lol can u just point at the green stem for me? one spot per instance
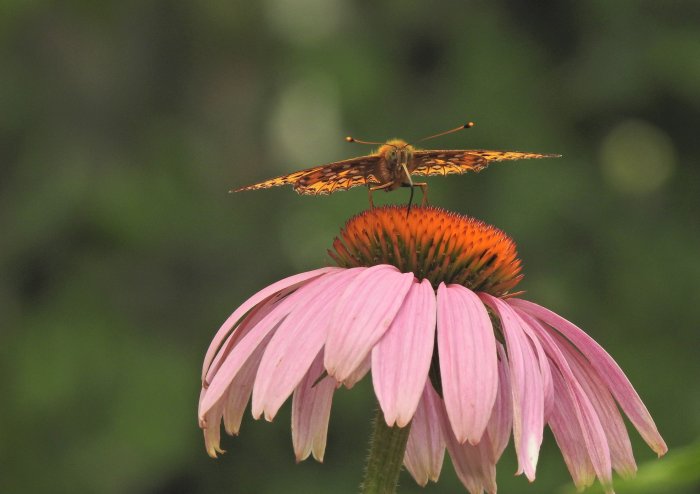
(387, 448)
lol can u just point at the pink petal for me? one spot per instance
(569, 437)
(475, 465)
(256, 314)
(210, 424)
(468, 362)
(363, 313)
(604, 404)
(297, 342)
(501, 421)
(360, 372)
(228, 325)
(233, 405)
(401, 359)
(608, 370)
(543, 361)
(590, 426)
(425, 449)
(239, 354)
(545, 371)
(526, 382)
(239, 390)
(311, 410)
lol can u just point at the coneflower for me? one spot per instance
(458, 360)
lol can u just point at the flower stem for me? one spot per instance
(387, 448)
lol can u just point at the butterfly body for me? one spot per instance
(393, 156)
(389, 168)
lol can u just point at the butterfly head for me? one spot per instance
(397, 153)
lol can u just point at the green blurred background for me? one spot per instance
(123, 125)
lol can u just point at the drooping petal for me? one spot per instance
(591, 428)
(210, 423)
(239, 390)
(238, 355)
(256, 314)
(362, 314)
(468, 362)
(543, 361)
(545, 371)
(311, 410)
(401, 359)
(289, 282)
(608, 370)
(501, 421)
(526, 382)
(604, 404)
(425, 450)
(569, 437)
(361, 371)
(296, 343)
(233, 404)
(475, 465)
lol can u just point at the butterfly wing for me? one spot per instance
(445, 162)
(341, 175)
(325, 179)
(288, 179)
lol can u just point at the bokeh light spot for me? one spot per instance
(308, 111)
(305, 21)
(637, 157)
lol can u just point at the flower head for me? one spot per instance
(426, 304)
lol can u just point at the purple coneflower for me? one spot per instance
(457, 359)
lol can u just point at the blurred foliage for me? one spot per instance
(679, 472)
(123, 124)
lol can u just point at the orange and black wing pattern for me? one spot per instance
(446, 162)
(326, 179)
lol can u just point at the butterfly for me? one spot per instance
(390, 167)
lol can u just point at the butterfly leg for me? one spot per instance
(424, 189)
(376, 187)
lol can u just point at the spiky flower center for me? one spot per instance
(432, 243)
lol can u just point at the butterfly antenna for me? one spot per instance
(352, 139)
(467, 125)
